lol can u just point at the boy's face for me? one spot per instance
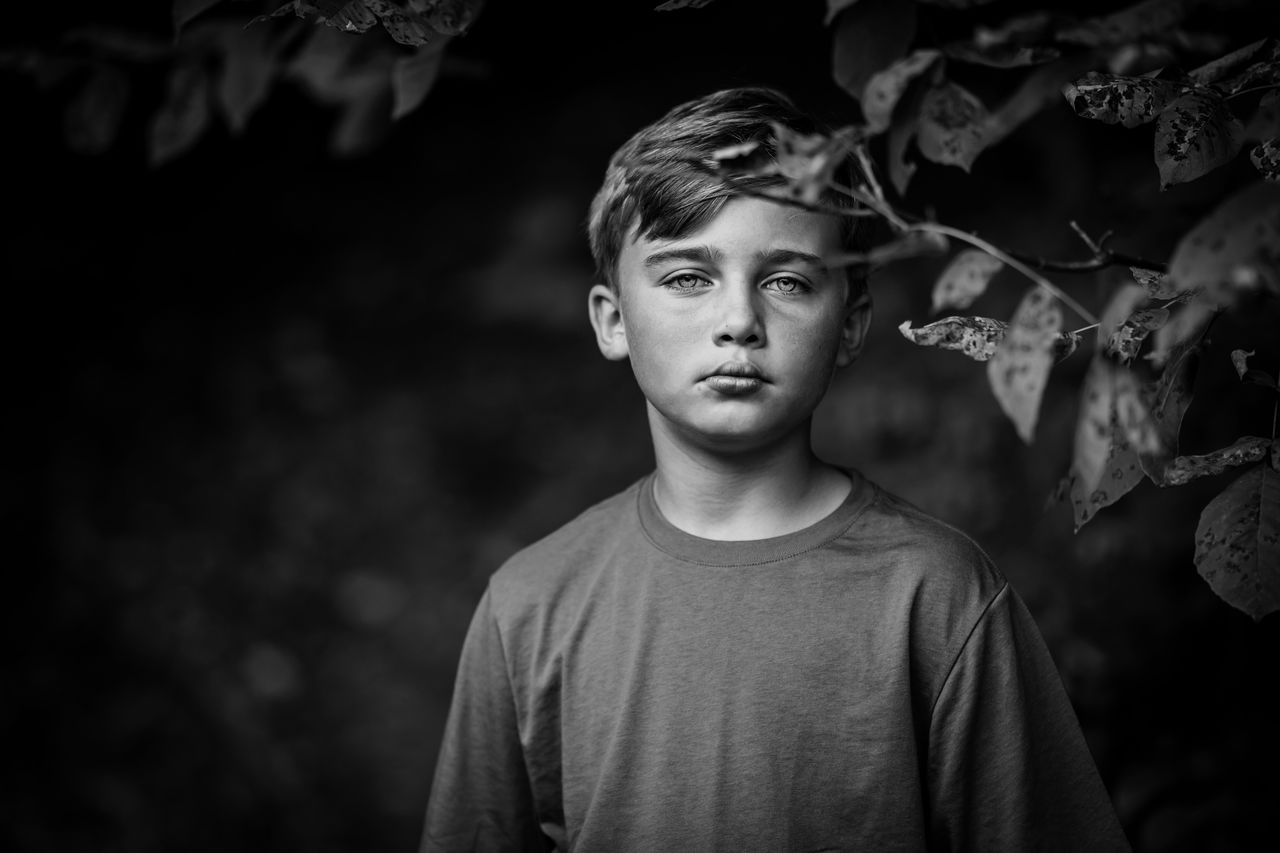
(733, 331)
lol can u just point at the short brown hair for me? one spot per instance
(657, 181)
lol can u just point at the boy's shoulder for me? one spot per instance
(548, 563)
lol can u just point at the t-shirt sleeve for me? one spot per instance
(480, 798)
(1008, 767)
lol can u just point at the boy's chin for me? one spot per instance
(730, 434)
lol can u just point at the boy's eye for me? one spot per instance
(685, 281)
(786, 284)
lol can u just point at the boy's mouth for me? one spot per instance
(735, 377)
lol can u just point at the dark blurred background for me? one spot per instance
(272, 417)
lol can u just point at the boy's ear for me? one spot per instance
(853, 334)
(605, 310)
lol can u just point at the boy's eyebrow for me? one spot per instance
(698, 254)
(791, 256)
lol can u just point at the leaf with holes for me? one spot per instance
(1112, 429)
(403, 24)
(976, 337)
(1265, 157)
(1112, 99)
(1126, 340)
(1240, 359)
(1243, 451)
(1237, 245)
(809, 161)
(867, 38)
(1156, 283)
(1104, 467)
(885, 88)
(1126, 299)
(1238, 542)
(1195, 134)
(964, 279)
(952, 126)
(1019, 370)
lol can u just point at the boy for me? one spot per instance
(750, 649)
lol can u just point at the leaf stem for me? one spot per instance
(1009, 260)
(1253, 89)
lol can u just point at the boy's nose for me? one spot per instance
(740, 321)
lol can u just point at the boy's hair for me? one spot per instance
(662, 182)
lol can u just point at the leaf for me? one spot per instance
(1259, 74)
(1195, 134)
(1265, 157)
(1030, 28)
(404, 25)
(184, 11)
(1188, 321)
(1110, 428)
(92, 119)
(951, 129)
(248, 67)
(1000, 55)
(1156, 283)
(1235, 62)
(1134, 23)
(353, 17)
(835, 7)
(976, 337)
(1238, 542)
(183, 116)
(1265, 122)
(1236, 244)
(413, 76)
(886, 88)
(964, 279)
(1124, 343)
(1120, 473)
(1126, 299)
(1240, 359)
(1112, 99)
(1167, 401)
(1019, 370)
(673, 5)
(808, 161)
(1242, 451)
(455, 17)
(868, 37)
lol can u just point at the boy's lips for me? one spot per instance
(735, 377)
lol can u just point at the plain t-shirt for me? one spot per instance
(870, 682)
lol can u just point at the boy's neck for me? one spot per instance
(749, 494)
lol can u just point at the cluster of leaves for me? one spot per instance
(1150, 337)
(219, 62)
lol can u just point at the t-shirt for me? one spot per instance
(870, 682)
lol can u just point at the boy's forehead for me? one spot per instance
(759, 225)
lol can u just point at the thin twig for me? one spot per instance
(1009, 261)
(1253, 89)
(1106, 258)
